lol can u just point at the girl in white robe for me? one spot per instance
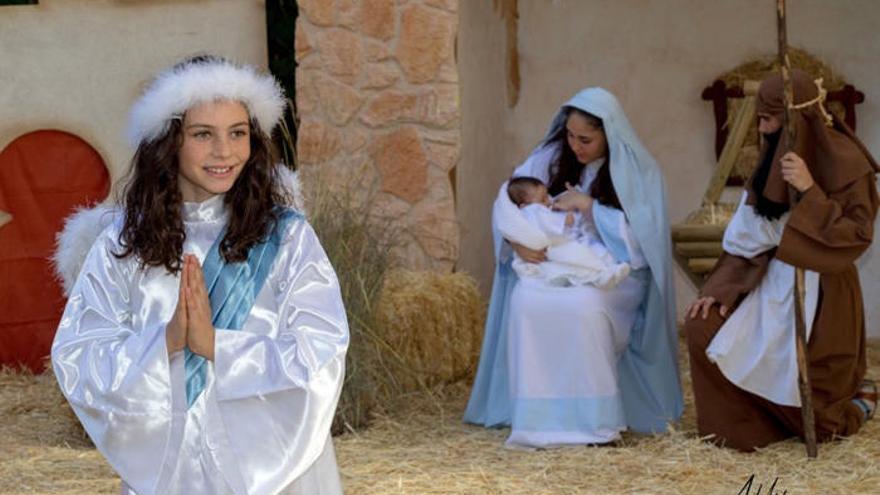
(206, 355)
(578, 365)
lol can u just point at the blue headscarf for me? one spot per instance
(648, 369)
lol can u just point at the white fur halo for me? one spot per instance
(183, 86)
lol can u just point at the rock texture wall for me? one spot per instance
(377, 95)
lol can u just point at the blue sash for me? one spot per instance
(232, 290)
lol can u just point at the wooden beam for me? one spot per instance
(695, 279)
(699, 249)
(742, 124)
(695, 233)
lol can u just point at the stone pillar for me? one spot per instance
(377, 95)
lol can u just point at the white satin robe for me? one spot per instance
(262, 423)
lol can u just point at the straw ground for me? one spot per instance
(420, 446)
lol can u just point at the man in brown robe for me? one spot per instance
(827, 229)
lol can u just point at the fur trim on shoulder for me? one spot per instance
(293, 187)
(73, 243)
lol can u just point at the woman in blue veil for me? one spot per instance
(578, 364)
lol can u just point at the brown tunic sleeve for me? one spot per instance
(826, 233)
(735, 276)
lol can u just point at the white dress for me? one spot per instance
(564, 346)
(261, 424)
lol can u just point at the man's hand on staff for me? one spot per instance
(795, 172)
(702, 306)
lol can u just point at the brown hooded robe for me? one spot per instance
(828, 229)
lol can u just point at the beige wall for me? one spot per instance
(656, 56)
(485, 136)
(77, 65)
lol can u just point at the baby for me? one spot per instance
(575, 255)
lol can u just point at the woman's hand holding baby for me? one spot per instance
(529, 255)
(572, 199)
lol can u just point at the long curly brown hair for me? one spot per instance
(153, 228)
(567, 169)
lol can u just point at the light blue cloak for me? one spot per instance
(648, 369)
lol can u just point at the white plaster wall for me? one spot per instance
(78, 65)
(656, 56)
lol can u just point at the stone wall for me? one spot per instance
(377, 96)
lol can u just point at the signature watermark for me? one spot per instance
(759, 489)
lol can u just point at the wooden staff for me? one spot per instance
(800, 326)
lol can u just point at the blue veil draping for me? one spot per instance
(648, 369)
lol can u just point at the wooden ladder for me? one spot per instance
(696, 247)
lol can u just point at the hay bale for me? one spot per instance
(433, 324)
(758, 68)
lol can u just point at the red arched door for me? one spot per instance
(44, 176)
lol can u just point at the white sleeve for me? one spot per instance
(115, 375)
(749, 234)
(278, 393)
(551, 223)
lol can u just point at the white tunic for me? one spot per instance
(755, 347)
(261, 425)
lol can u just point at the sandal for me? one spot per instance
(866, 398)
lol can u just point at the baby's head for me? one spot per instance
(527, 190)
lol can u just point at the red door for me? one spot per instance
(44, 176)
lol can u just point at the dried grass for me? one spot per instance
(359, 245)
(422, 447)
(409, 330)
(425, 448)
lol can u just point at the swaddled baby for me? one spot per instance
(575, 255)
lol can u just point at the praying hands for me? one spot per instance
(191, 324)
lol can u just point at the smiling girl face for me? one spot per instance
(216, 146)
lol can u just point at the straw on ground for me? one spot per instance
(422, 447)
